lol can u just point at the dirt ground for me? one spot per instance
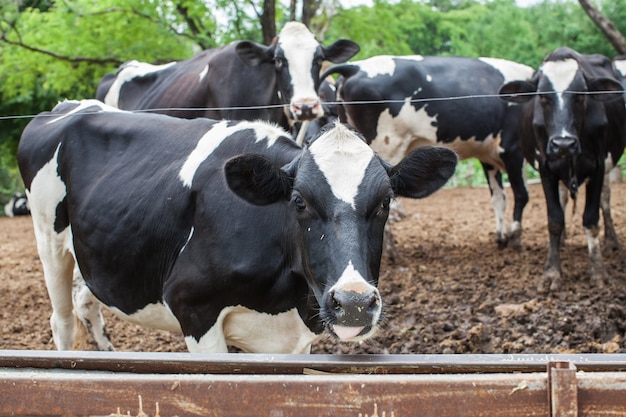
(451, 291)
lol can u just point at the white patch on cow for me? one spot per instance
(203, 73)
(498, 200)
(383, 64)
(82, 105)
(429, 78)
(510, 70)
(620, 66)
(255, 332)
(395, 136)
(46, 191)
(155, 315)
(132, 69)
(299, 46)
(214, 137)
(188, 240)
(560, 74)
(343, 158)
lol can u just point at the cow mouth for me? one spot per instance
(349, 333)
(565, 169)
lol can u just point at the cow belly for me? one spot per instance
(252, 331)
(157, 316)
(487, 150)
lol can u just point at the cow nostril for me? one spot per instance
(563, 146)
(374, 304)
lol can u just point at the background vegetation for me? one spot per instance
(56, 49)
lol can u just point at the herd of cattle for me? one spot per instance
(218, 224)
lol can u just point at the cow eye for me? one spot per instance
(386, 202)
(384, 206)
(299, 203)
(279, 62)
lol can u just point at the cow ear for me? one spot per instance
(341, 51)
(253, 54)
(257, 180)
(607, 89)
(423, 171)
(517, 91)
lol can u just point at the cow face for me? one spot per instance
(566, 100)
(297, 58)
(338, 193)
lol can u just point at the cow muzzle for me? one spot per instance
(560, 147)
(355, 310)
(306, 109)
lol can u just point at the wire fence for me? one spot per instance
(407, 100)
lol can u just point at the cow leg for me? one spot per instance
(498, 200)
(88, 311)
(611, 242)
(57, 269)
(551, 280)
(564, 199)
(515, 168)
(591, 220)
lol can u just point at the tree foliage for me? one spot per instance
(56, 49)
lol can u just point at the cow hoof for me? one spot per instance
(612, 245)
(598, 279)
(550, 282)
(502, 241)
(515, 240)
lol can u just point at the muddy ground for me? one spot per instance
(451, 291)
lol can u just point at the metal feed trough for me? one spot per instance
(46, 383)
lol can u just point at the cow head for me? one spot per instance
(338, 193)
(297, 58)
(566, 99)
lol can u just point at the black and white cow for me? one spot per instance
(224, 230)
(402, 102)
(228, 82)
(17, 206)
(574, 118)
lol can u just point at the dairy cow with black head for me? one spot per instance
(226, 231)
(573, 125)
(240, 81)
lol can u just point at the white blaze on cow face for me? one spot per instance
(560, 74)
(299, 46)
(130, 70)
(214, 137)
(343, 159)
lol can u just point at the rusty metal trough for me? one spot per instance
(47, 383)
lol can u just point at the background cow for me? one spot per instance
(574, 118)
(400, 103)
(226, 231)
(228, 82)
(17, 206)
